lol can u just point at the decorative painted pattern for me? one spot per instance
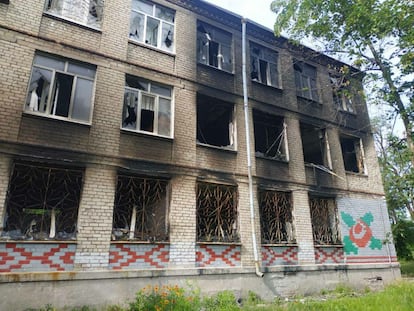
(326, 255)
(138, 256)
(370, 259)
(31, 257)
(279, 255)
(218, 256)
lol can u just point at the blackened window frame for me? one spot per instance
(306, 80)
(264, 65)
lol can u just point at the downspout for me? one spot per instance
(249, 160)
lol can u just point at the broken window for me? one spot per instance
(214, 47)
(341, 93)
(305, 79)
(276, 217)
(215, 122)
(147, 106)
(353, 154)
(61, 88)
(42, 203)
(217, 213)
(141, 209)
(263, 62)
(152, 24)
(270, 136)
(87, 12)
(324, 217)
(315, 146)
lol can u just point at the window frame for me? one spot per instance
(257, 59)
(342, 96)
(211, 33)
(306, 82)
(161, 23)
(358, 154)
(324, 149)
(99, 7)
(157, 113)
(53, 85)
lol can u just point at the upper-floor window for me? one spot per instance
(147, 106)
(215, 122)
(263, 62)
(353, 154)
(305, 79)
(315, 145)
(214, 47)
(270, 136)
(61, 88)
(87, 12)
(152, 24)
(341, 94)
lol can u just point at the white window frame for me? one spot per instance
(306, 80)
(264, 58)
(208, 35)
(166, 44)
(139, 94)
(49, 99)
(84, 12)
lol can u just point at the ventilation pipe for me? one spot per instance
(249, 160)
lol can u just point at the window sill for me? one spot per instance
(225, 148)
(2, 241)
(329, 246)
(356, 174)
(273, 87)
(32, 114)
(350, 113)
(151, 47)
(271, 159)
(72, 22)
(216, 69)
(280, 244)
(138, 242)
(146, 134)
(219, 243)
(309, 100)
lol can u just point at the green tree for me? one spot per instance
(377, 35)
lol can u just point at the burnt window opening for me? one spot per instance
(325, 224)
(276, 217)
(215, 122)
(263, 62)
(42, 203)
(87, 12)
(61, 88)
(152, 24)
(147, 107)
(270, 136)
(217, 213)
(353, 154)
(305, 79)
(214, 47)
(5, 1)
(315, 146)
(341, 92)
(141, 209)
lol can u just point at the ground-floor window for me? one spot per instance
(141, 209)
(217, 213)
(325, 225)
(42, 203)
(276, 217)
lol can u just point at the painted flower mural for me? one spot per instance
(360, 233)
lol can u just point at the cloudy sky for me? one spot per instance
(256, 10)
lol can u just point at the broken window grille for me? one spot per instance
(61, 88)
(217, 213)
(341, 94)
(353, 154)
(263, 62)
(276, 217)
(87, 12)
(214, 47)
(325, 224)
(215, 122)
(147, 106)
(152, 24)
(270, 136)
(305, 79)
(315, 146)
(42, 203)
(141, 209)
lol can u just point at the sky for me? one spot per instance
(255, 10)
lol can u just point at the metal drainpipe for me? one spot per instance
(249, 160)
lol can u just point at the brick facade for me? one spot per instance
(102, 149)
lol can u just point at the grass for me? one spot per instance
(407, 268)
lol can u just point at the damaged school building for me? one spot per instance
(171, 141)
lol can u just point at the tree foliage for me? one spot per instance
(377, 35)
